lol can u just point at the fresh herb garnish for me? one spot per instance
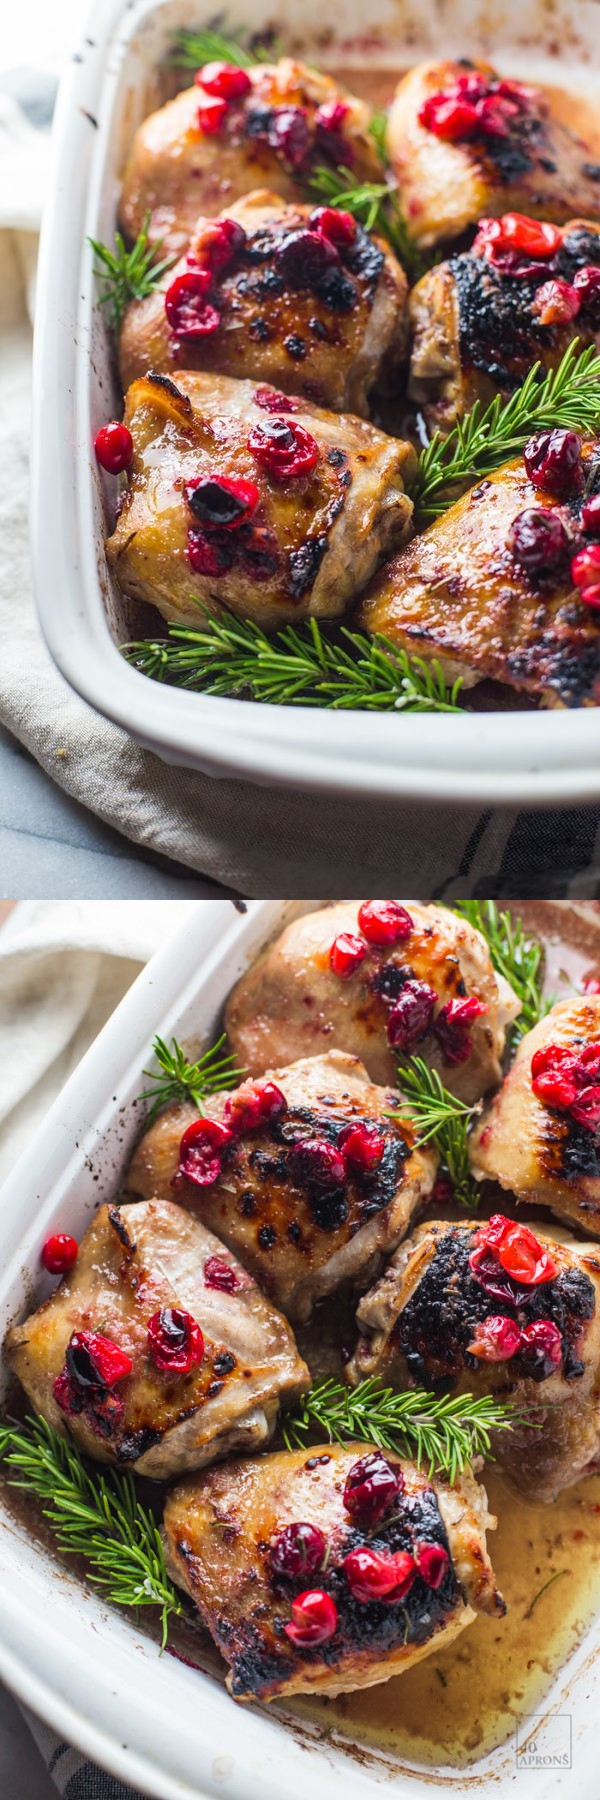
(191, 49)
(378, 126)
(518, 957)
(443, 1434)
(183, 1080)
(542, 1590)
(97, 1516)
(128, 274)
(299, 666)
(375, 205)
(443, 1120)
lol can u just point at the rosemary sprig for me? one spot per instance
(378, 131)
(299, 666)
(93, 1515)
(444, 1434)
(519, 958)
(375, 204)
(568, 395)
(441, 1119)
(188, 1081)
(191, 49)
(549, 1583)
(128, 274)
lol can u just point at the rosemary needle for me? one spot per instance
(128, 274)
(182, 1080)
(443, 1120)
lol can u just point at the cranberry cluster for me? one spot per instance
(540, 539)
(192, 300)
(93, 1366)
(518, 246)
(203, 1145)
(475, 105)
(384, 923)
(569, 1081)
(288, 131)
(221, 84)
(225, 532)
(507, 1258)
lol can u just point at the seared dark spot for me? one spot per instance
(247, 1203)
(260, 331)
(388, 981)
(117, 1221)
(267, 1237)
(295, 346)
(134, 1443)
(224, 1363)
(337, 291)
(304, 565)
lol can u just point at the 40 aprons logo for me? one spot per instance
(543, 1741)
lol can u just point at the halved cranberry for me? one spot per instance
(496, 1339)
(411, 1016)
(406, 1571)
(585, 567)
(523, 1257)
(314, 1619)
(487, 1271)
(332, 115)
(316, 1162)
(290, 134)
(452, 1027)
(372, 1486)
(516, 231)
(538, 539)
(219, 503)
(286, 450)
(333, 223)
(553, 460)
(59, 1253)
(219, 242)
(219, 1274)
(254, 1105)
(225, 80)
(201, 1151)
(556, 302)
(211, 116)
(304, 256)
(591, 596)
(453, 119)
(553, 1077)
(362, 1146)
(70, 1399)
(587, 283)
(95, 1361)
(297, 1550)
(113, 445)
(586, 1108)
(373, 1575)
(432, 1562)
(384, 921)
(590, 515)
(541, 1348)
(175, 1341)
(209, 554)
(188, 311)
(346, 954)
(272, 401)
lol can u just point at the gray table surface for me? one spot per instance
(23, 1773)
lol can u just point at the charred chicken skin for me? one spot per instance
(465, 143)
(158, 1351)
(208, 147)
(480, 320)
(540, 1135)
(506, 586)
(308, 1582)
(306, 1175)
(379, 979)
(278, 515)
(298, 297)
(493, 1309)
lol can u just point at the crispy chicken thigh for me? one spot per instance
(532, 164)
(312, 317)
(275, 517)
(272, 136)
(459, 596)
(291, 1001)
(153, 1265)
(478, 325)
(542, 1151)
(418, 1324)
(301, 1217)
(221, 1533)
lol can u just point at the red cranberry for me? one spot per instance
(489, 1274)
(556, 302)
(95, 1361)
(175, 1341)
(258, 552)
(541, 1347)
(67, 1397)
(452, 119)
(254, 1106)
(586, 1108)
(585, 567)
(346, 954)
(553, 460)
(221, 1275)
(211, 116)
(373, 1575)
(201, 1150)
(553, 1076)
(411, 1016)
(496, 1339)
(590, 984)
(316, 1162)
(329, 134)
(406, 1570)
(188, 311)
(538, 539)
(442, 1192)
(332, 115)
(518, 1251)
(284, 449)
(314, 1619)
(362, 1146)
(304, 256)
(587, 284)
(384, 921)
(212, 554)
(219, 242)
(221, 504)
(471, 85)
(372, 1486)
(113, 445)
(515, 231)
(59, 1253)
(495, 113)
(290, 134)
(590, 515)
(337, 226)
(297, 1550)
(225, 80)
(591, 596)
(432, 1562)
(452, 1027)
(272, 401)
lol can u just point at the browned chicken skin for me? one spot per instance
(457, 596)
(175, 171)
(218, 1533)
(299, 1234)
(134, 1262)
(537, 1152)
(324, 334)
(476, 330)
(417, 1323)
(537, 166)
(312, 540)
(290, 1003)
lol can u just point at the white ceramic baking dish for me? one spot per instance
(86, 1669)
(108, 88)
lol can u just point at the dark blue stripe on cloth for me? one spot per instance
(543, 856)
(92, 1783)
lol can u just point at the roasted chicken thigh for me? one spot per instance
(277, 516)
(275, 1547)
(310, 1179)
(464, 143)
(451, 1313)
(206, 148)
(299, 297)
(540, 1135)
(158, 1351)
(377, 979)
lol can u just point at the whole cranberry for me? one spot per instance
(59, 1253)
(338, 227)
(586, 1108)
(411, 1016)
(453, 1027)
(346, 954)
(541, 1348)
(587, 284)
(113, 445)
(590, 515)
(524, 1258)
(591, 596)
(189, 313)
(315, 1162)
(585, 567)
(211, 116)
(225, 80)
(362, 1146)
(216, 246)
(290, 134)
(553, 460)
(314, 1619)
(303, 257)
(284, 449)
(556, 302)
(374, 1575)
(372, 1486)
(553, 1075)
(496, 1339)
(384, 921)
(297, 1550)
(95, 1361)
(209, 553)
(220, 503)
(453, 119)
(538, 539)
(221, 1275)
(201, 1151)
(175, 1341)
(255, 1105)
(432, 1562)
